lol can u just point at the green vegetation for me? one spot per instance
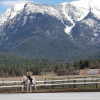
(83, 63)
(12, 65)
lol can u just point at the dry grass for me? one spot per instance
(43, 77)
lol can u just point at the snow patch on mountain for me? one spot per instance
(11, 13)
(95, 35)
(95, 8)
(96, 12)
(44, 9)
(66, 14)
(79, 12)
(25, 19)
(81, 4)
(89, 22)
(68, 28)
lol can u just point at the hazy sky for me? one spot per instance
(4, 4)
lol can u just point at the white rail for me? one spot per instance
(64, 80)
(3, 82)
(11, 86)
(80, 83)
(47, 82)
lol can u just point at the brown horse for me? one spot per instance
(26, 82)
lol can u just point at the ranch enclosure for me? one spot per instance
(53, 84)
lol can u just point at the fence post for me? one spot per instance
(84, 81)
(3, 88)
(74, 84)
(96, 83)
(45, 83)
(53, 84)
(69, 84)
(63, 84)
(16, 87)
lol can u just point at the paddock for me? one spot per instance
(50, 85)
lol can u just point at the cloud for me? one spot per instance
(13, 2)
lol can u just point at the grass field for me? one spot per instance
(43, 77)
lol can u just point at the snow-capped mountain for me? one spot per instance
(70, 11)
(11, 13)
(52, 31)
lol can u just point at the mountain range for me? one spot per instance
(68, 31)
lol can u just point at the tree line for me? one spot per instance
(12, 65)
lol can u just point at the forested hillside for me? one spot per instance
(12, 65)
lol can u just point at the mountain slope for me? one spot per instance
(67, 31)
(87, 31)
(38, 37)
(11, 13)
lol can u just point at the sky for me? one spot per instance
(4, 4)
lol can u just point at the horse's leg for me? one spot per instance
(30, 88)
(27, 88)
(23, 88)
(35, 87)
(33, 81)
(30, 85)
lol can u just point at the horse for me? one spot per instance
(26, 82)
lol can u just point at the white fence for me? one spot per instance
(66, 80)
(54, 82)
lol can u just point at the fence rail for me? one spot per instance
(11, 86)
(37, 85)
(80, 83)
(65, 80)
(52, 82)
(3, 82)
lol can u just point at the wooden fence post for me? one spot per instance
(84, 81)
(45, 83)
(96, 83)
(74, 84)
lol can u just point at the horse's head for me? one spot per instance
(24, 79)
